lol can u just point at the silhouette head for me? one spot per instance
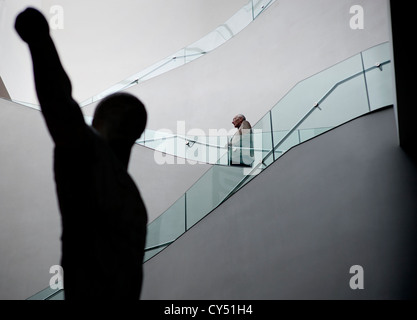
(238, 119)
(120, 117)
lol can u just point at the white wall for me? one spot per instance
(290, 41)
(106, 41)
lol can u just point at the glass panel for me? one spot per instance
(141, 139)
(44, 294)
(225, 153)
(161, 141)
(172, 62)
(295, 104)
(380, 86)
(168, 226)
(259, 6)
(240, 19)
(346, 102)
(193, 52)
(217, 154)
(306, 134)
(262, 140)
(285, 141)
(221, 34)
(198, 148)
(301, 99)
(305, 94)
(194, 148)
(210, 41)
(376, 55)
(150, 253)
(379, 80)
(58, 296)
(124, 84)
(210, 190)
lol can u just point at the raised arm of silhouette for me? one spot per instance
(103, 216)
(53, 87)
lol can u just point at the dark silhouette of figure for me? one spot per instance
(103, 216)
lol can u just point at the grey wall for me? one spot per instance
(347, 197)
(3, 90)
(29, 221)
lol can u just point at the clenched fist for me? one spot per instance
(31, 25)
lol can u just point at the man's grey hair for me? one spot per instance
(241, 116)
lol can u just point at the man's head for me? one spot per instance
(120, 117)
(238, 119)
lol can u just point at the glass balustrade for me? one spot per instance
(216, 149)
(315, 105)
